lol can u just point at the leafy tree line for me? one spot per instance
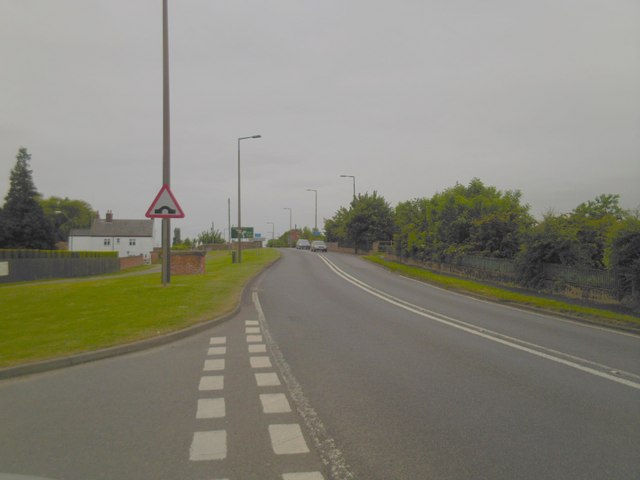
(205, 237)
(481, 220)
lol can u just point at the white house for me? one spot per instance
(127, 237)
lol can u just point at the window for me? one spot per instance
(107, 242)
(132, 241)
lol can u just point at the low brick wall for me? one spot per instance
(130, 262)
(188, 262)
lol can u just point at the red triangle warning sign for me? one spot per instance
(165, 205)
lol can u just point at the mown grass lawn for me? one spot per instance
(507, 296)
(55, 319)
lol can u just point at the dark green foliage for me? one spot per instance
(475, 219)
(23, 222)
(554, 240)
(625, 257)
(369, 219)
(335, 227)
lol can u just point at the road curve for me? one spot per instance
(451, 387)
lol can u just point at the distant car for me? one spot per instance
(303, 244)
(318, 246)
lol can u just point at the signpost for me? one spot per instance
(165, 206)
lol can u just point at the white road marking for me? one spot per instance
(512, 342)
(274, 403)
(267, 379)
(215, 364)
(260, 362)
(254, 338)
(303, 476)
(211, 445)
(287, 439)
(218, 340)
(331, 456)
(257, 348)
(217, 351)
(251, 322)
(213, 382)
(252, 330)
(211, 408)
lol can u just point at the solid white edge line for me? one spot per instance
(417, 310)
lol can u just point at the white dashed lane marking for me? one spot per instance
(258, 348)
(274, 403)
(217, 351)
(211, 408)
(287, 439)
(267, 379)
(260, 362)
(213, 382)
(211, 445)
(303, 476)
(215, 364)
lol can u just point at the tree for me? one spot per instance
(370, 219)
(335, 228)
(66, 214)
(176, 237)
(625, 257)
(23, 221)
(474, 219)
(209, 237)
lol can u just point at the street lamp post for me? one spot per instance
(166, 147)
(354, 183)
(273, 231)
(240, 234)
(315, 228)
(290, 217)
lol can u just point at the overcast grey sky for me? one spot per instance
(409, 96)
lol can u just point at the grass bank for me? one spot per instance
(507, 296)
(55, 319)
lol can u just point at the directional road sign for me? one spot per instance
(247, 232)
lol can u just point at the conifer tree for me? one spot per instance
(23, 222)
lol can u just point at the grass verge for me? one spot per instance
(56, 319)
(498, 294)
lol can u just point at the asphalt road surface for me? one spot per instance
(337, 369)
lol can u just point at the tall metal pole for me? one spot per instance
(240, 233)
(315, 228)
(273, 231)
(166, 146)
(354, 183)
(290, 228)
(229, 218)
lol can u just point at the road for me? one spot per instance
(364, 374)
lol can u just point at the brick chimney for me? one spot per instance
(109, 216)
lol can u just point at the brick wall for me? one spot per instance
(130, 262)
(188, 262)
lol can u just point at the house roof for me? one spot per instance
(116, 228)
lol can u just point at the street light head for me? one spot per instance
(257, 136)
